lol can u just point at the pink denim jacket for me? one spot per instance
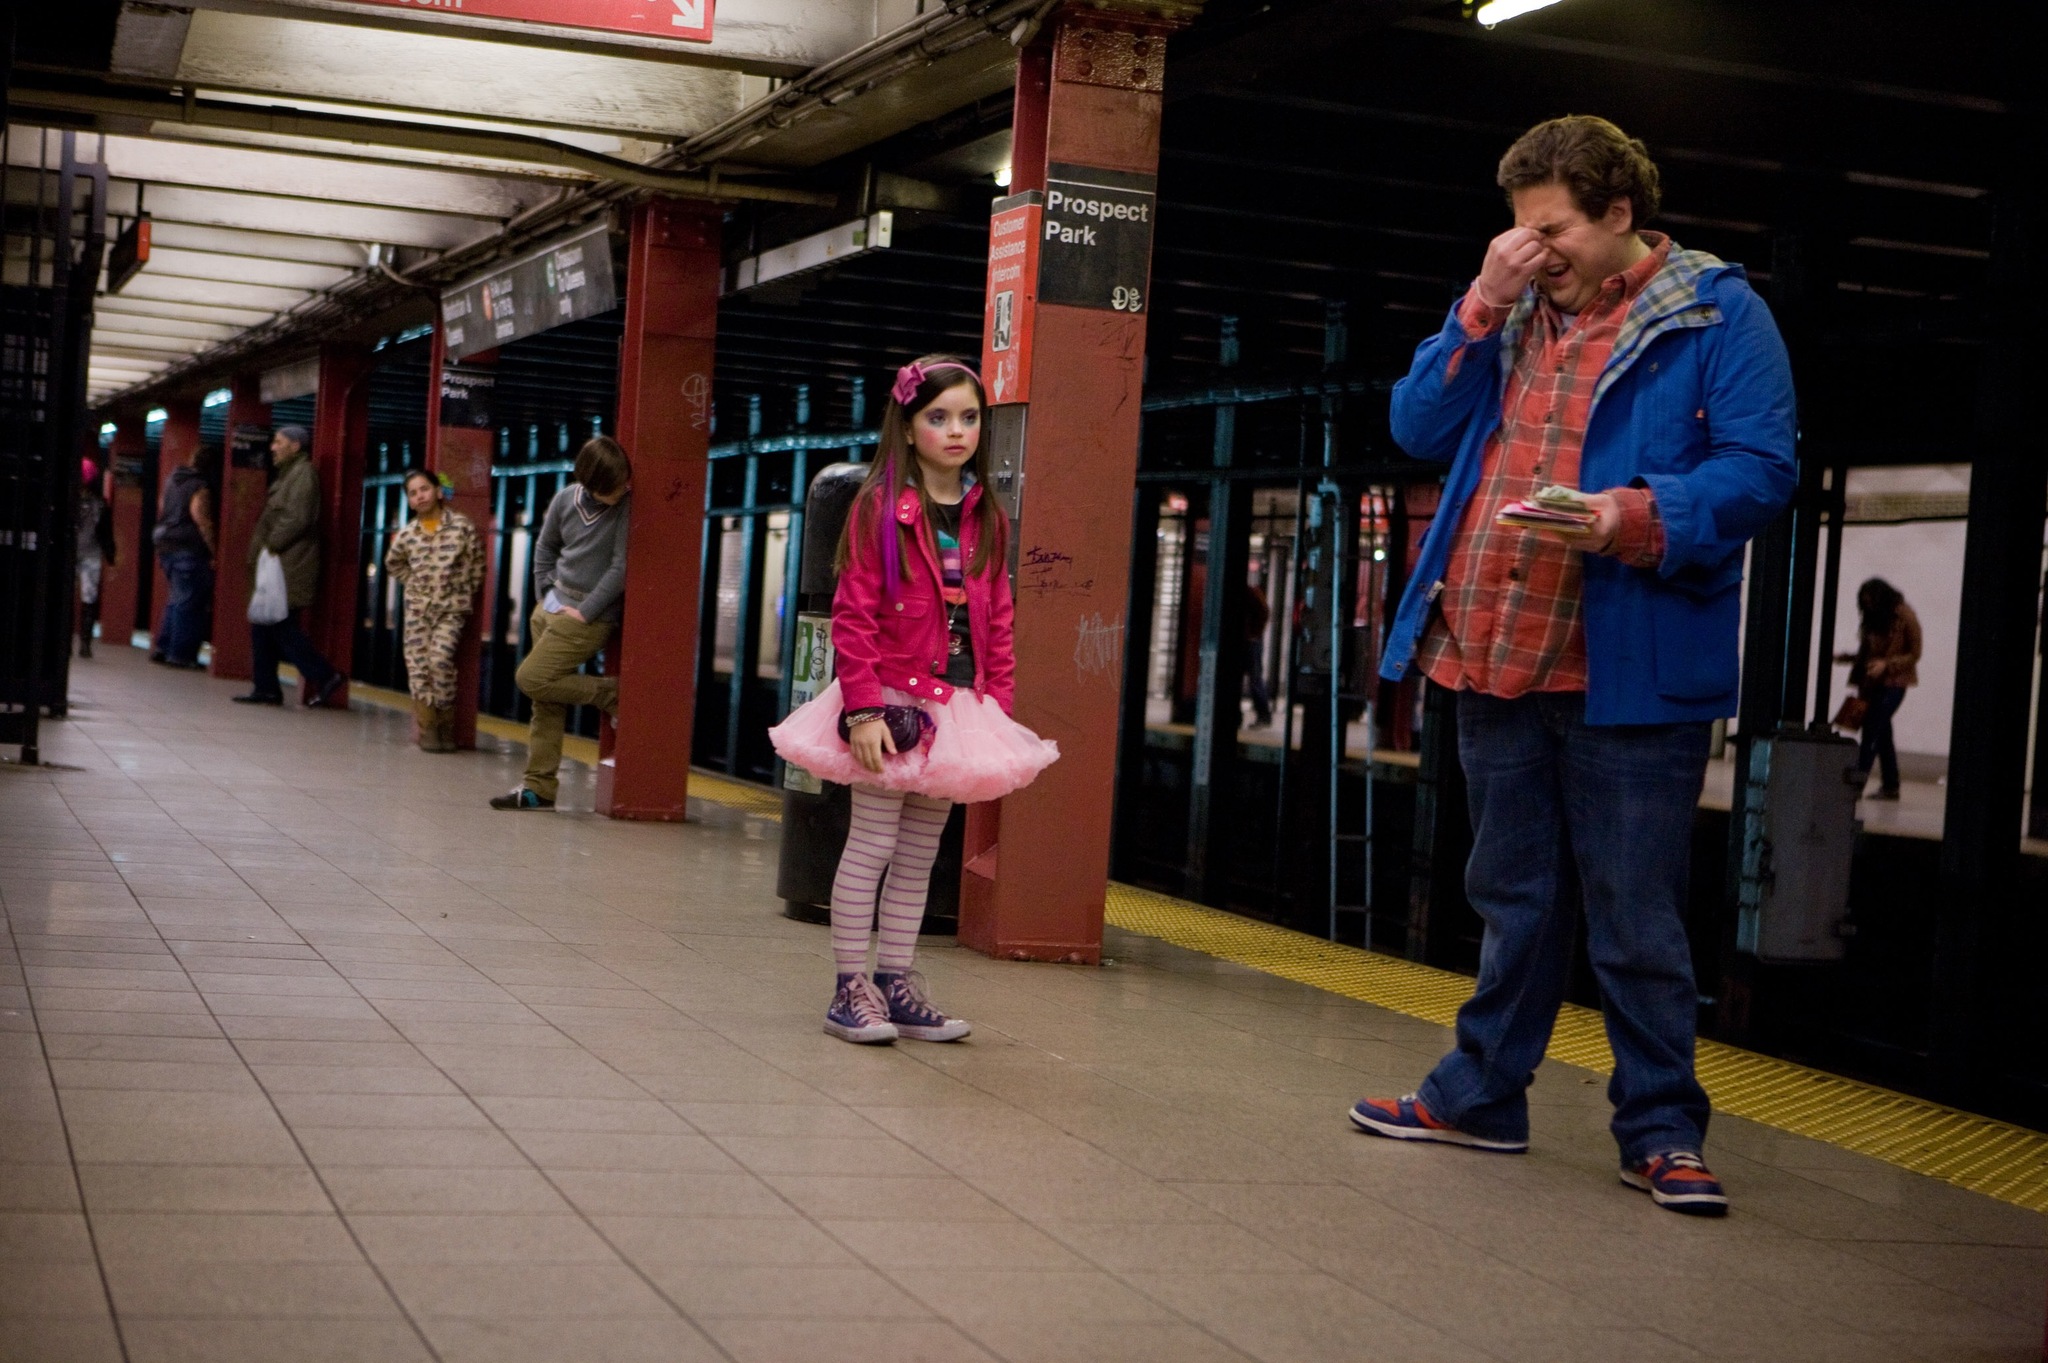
(894, 633)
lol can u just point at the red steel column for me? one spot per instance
(665, 424)
(1088, 94)
(341, 433)
(463, 451)
(120, 582)
(242, 489)
(180, 439)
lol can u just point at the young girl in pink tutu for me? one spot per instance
(919, 714)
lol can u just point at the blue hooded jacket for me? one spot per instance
(1696, 405)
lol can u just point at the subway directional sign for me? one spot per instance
(565, 281)
(684, 20)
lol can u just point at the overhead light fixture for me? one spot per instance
(819, 251)
(1002, 177)
(217, 397)
(108, 428)
(1500, 11)
(157, 414)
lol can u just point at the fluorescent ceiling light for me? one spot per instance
(816, 252)
(157, 414)
(217, 397)
(107, 429)
(1500, 11)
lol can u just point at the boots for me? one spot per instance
(423, 721)
(88, 618)
(444, 731)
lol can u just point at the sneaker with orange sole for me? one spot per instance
(1406, 1119)
(1680, 1181)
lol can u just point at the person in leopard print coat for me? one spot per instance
(439, 559)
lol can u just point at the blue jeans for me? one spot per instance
(285, 639)
(1551, 795)
(189, 612)
(1877, 748)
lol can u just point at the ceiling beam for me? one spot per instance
(198, 313)
(346, 222)
(141, 323)
(256, 296)
(227, 241)
(241, 270)
(495, 152)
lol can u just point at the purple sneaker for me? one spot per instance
(1406, 1119)
(1680, 1181)
(859, 1014)
(913, 1013)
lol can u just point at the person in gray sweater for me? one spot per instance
(579, 586)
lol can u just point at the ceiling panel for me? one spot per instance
(534, 85)
(244, 270)
(252, 296)
(347, 222)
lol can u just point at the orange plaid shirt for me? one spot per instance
(1508, 610)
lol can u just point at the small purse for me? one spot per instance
(1852, 713)
(908, 726)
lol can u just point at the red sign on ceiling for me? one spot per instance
(685, 20)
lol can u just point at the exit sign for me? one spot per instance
(684, 20)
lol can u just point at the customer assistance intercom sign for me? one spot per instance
(1012, 294)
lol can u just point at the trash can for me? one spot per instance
(815, 813)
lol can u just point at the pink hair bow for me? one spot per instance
(911, 377)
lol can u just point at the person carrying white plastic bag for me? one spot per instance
(285, 547)
(268, 603)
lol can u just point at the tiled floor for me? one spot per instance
(309, 1055)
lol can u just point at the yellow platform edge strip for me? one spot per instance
(1976, 1153)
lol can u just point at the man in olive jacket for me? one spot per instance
(290, 528)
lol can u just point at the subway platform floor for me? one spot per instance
(310, 1055)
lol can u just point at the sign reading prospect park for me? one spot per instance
(1095, 241)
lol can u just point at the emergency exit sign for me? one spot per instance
(685, 20)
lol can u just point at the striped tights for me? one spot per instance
(898, 833)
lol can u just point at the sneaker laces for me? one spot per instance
(1680, 1159)
(865, 1003)
(907, 996)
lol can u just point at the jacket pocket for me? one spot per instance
(1693, 640)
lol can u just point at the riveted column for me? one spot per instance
(180, 440)
(341, 433)
(1064, 358)
(128, 489)
(672, 282)
(243, 484)
(460, 443)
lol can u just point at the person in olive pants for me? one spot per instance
(579, 578)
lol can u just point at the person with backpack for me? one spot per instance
(185, 546)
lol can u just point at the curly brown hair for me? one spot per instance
(1589, 156)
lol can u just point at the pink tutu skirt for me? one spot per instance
(975, 752)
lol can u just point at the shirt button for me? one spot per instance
(1514, 574)
(899, 605)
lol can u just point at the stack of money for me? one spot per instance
(1561, 510)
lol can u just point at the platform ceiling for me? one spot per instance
(282, 150)
(1314, 151)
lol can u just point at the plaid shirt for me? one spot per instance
(1508, 620)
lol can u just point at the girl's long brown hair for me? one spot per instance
(896, 468)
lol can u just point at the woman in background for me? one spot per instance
(1885, 663)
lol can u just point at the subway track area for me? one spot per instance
(311, 1055)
